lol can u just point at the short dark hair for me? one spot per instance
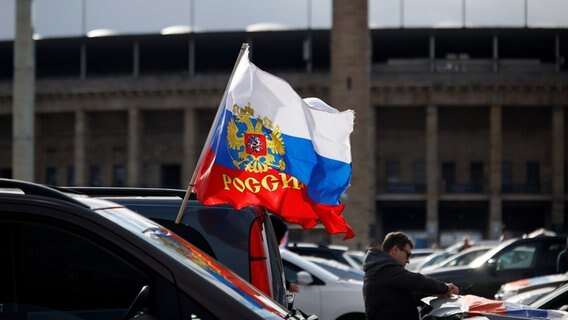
(398, 239)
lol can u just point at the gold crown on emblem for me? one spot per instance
(256, 147)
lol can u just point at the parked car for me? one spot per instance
(510, 289)
(85, 258)
(423, 252)
(339, 269)
(321, 292)
(419, 255)
(459, 246)
(556, 299)
(478, 308)
(530, 296)
(243, 240)
(462, 258)
(512, 260)
(357, 256)
(332, 252)
(430, 260)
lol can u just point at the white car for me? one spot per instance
(335, 252)
(321, 292)
(339, 269)
(462, 258)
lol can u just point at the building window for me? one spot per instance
(71, 175)
(118, 175)
(476, 175)
(506, 174)
(533, 175)
(449, 172)
(393, 172)
(420, 173)
(95, 176)
(50, 176)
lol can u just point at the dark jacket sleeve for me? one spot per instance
(417, 282)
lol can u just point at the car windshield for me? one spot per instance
(359, 257)
(194, 259)
(477, 262)
(463, 258)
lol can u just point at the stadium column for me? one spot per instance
(350, 89)
(134, 132)
(432, 173)
(495, 171)
(80, 147)
(558, 173)
(189, 144)
(23, 156)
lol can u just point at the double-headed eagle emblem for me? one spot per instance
(260, 146)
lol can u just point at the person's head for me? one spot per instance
(398, 246)
(466, 243)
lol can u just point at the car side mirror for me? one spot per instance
(492, 266)
(304, 278)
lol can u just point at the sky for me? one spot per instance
(64, 18)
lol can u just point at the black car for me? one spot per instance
(243, 240)
(86, 258)
(512, 260)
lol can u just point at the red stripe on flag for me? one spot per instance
(278, 192)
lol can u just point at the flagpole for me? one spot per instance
(244, 47)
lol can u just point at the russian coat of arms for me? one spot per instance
(257, 143)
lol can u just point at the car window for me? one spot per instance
(549, 254)
(359, 258)
(518, 257)
(321, 254)
(291, 270)
(60, 273)
(274, 261)
(225, 232)
(77, 274)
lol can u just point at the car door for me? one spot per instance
(517, 261)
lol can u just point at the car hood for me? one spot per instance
(471, 306)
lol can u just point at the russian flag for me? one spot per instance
(270, 147)
(482, 306)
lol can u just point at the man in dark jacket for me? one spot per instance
(389, 289)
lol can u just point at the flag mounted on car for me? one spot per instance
(270, 147)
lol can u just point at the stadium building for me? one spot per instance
(463, 134)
